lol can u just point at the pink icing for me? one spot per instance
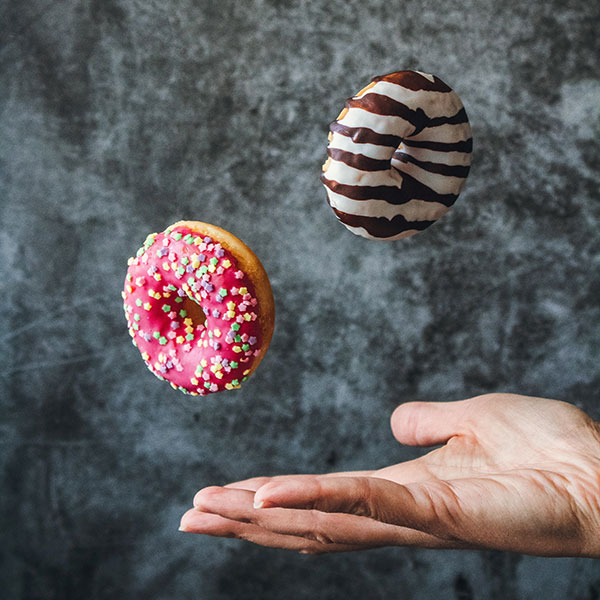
(180, 268)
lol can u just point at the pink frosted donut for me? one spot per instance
(199, 307)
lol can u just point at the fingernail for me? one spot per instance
(264, 504)
(181, 528)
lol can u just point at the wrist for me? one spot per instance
(590, 495)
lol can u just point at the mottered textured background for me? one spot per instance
(119, 117)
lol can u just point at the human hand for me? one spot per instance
(515, 473)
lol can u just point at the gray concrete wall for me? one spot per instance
(119, 117)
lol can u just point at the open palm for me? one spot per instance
(513, 473)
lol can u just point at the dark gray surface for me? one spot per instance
(122, 116)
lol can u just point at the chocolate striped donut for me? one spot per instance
(398, 156)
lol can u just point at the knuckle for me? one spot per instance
(233, 534)
(244, 534)
(361, 505)
(245, 520)
(446, 511)
(321, 528)
(320, 500)
(257, 517)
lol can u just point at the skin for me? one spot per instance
(513, 473)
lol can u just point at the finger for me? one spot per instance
(251, 484)
(363, 496)
(411, 507)
(346, 529)
(511, 511)
(429, 423)
(254, 483)
(418, 469)
(194, 521)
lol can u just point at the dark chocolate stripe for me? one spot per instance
(384, 105)
(364, 135)
(464, 146)
(358, 161)
(380, 226)
(415, 82)
(431, 167)
(459, 117)
(411, 189)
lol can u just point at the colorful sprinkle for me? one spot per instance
(197, 273)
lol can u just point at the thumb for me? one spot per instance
(428, 423)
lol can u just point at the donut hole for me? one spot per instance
(194, 311)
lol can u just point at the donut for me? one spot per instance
(398, 156)
(199, 307)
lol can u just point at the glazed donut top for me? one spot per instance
(399, 154)
(192, 312)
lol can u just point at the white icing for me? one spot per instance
(357, 117)
(343, 173)
(434, 104)
(442, 184)
(448, 134)
(454, 159)
(343, 142)
(364, 233)
(414, 210)
(427, 76)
